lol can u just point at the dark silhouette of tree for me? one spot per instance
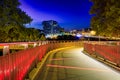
(106, 17)
(12, 21)
(67, 37)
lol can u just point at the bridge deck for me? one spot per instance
(72, 64)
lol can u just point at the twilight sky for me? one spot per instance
(70, 14)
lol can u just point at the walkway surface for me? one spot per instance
(72, 64)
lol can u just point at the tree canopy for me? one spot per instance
(106, 17)
(12, 21)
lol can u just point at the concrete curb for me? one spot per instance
(107, 62)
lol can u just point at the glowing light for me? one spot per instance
(79, 35)
(62, 59)
(92, 32)
(79, 68)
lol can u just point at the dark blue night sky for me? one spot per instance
(70, 14)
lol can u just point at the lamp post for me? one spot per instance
(99, 34)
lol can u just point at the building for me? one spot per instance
(51, 27)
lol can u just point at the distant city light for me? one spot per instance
(93, 32)
(48, 36)
(52, 35)
(79, 35)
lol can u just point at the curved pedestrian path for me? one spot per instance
(72, 64)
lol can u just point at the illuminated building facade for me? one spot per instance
(51, 27)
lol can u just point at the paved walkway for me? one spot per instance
(72, 64)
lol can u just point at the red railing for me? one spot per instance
(15, 66)
(107, 50)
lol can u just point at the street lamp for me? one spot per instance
(93, 33)
(99, 32)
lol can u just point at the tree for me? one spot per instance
(12, 20)
(42, 38)
(106, 17)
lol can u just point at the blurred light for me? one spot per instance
(79, 35)
(48, 36)
(73, 67)
(92, 32)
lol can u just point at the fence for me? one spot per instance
(15, 66)
(107, 50)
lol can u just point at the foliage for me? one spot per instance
(67, 37)
(106, 17)
(12, 21)
(42, 37)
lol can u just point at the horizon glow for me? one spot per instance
(70, 14)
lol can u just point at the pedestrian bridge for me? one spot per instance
(22, 64)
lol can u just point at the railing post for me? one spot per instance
(35, 44)
(5, 49)
(39, 43)
(25, 45)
